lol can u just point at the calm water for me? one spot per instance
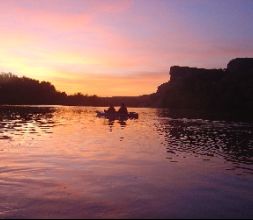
(65, 162)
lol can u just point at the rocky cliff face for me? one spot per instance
(240, 65)
(190, 76)
(188, 87)
(179, 74)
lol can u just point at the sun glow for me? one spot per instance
(109, 47)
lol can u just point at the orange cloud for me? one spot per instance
(110, 85)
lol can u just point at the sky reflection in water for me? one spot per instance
(66, 162)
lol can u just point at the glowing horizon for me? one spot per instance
(113, 48)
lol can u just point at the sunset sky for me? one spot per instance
(117, 47)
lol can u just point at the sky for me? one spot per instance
(120, 47)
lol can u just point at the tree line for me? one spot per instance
(16, 90)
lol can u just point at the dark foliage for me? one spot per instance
(16, 90)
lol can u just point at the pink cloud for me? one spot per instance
(105, 37)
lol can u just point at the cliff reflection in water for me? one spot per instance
(204, 137)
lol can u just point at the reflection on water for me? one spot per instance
(66, 162)
(111, 123)
(231, 140)
(22, 120)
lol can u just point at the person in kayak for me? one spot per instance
(111, 110)
(123, 109)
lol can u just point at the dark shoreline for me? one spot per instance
(174, 113)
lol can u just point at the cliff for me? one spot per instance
(240, 65)
(230, 88)
(179, 74)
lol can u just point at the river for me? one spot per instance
(64, 162)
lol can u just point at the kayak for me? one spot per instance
(130, 115)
